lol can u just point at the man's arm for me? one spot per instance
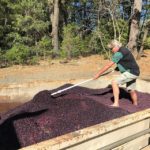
(106, 67)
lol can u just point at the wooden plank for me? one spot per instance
(114, 136)
(146, 148)
(136, 144)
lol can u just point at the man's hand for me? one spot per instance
(96, 76)
(103, 70)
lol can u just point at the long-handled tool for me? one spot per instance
(60, 91)
(70, 87)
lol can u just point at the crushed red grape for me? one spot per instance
(46, 117)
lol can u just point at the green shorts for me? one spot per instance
(128, 79)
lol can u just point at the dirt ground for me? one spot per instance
(57, 70)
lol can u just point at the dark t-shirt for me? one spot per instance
(125, 61)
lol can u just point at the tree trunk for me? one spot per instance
(142, 45)
(55, 25)
(134, 28)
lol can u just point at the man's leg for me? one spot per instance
(131, 86)
(134, 97)
(116, 92)
(130, 80)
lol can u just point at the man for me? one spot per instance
(129, 71)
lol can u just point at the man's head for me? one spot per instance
(114, 45)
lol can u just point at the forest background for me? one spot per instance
(34, 30)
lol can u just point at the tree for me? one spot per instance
(134, 28)
(146, 30)
(26, 25)
(54, 16)
(7, 12)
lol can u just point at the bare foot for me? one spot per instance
(114, 105)
(135, 104)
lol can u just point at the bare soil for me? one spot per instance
(56, 70)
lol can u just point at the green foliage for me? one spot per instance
(33, 61)
(18, 54)
(94, 43)
(30, 21)
(73, 45)
(2, 59)
(25, 28)
(147, 43)
(104, 33)
(70, 38)
(44, 47)
(6, 18)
